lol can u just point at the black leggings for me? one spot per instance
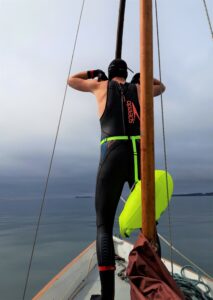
(116, 167)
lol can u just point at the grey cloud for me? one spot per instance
(34, 76)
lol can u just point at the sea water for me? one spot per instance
(68, 226)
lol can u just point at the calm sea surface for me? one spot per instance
(68, 225)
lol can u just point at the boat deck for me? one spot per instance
(91, 286)
(80, 278)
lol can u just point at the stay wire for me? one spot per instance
(164, 137)
(185, 258)
(208, 17)
(52, 156)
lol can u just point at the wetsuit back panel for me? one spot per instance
(122, 111)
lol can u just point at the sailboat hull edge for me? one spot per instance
(71, 278)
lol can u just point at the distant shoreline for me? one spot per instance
(174, 195)
(79, 196)
(193, 194)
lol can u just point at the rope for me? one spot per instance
(164, 136)
(191, 288)
(120, 262)
(208, 17)
(51, 160)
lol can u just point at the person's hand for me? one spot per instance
(97, 73)
(102, 76)
(136, 78)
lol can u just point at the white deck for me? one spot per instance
(80, 279)
(92, 286)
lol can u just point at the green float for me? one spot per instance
(131, 216)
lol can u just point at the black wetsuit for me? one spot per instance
(121, 118)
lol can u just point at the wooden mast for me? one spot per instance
(120, 27)
(147, 116)
(147, 121)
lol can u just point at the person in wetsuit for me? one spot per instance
(119, 114)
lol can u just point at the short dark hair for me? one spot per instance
(118, 67)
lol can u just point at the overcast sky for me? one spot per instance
(36, 42)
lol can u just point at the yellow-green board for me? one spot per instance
(131, 216)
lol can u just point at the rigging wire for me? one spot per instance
(185, 257)
(208, 17)
(52, 156)
(164, 137)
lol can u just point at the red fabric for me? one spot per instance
(106, 268)
(149, 278)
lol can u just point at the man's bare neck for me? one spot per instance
(119, 79)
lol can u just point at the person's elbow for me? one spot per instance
(70, 81)
(163, 88)
(159, 89)
(75, 83)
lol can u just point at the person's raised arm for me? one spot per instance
(158, 87)
(79, 81)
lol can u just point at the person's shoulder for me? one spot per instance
(103, 84)
(100, 86)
